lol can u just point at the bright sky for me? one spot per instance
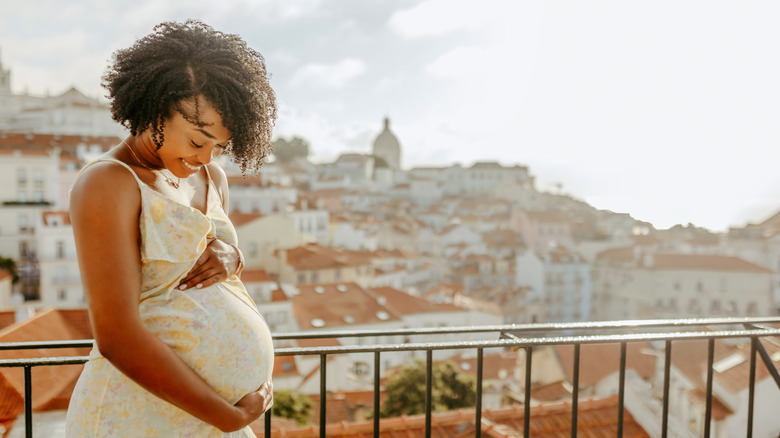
(667, 110)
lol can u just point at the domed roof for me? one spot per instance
(386, 141)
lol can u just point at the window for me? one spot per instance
(62, 294)
(21, 176)
(38, 177)
(21, 196)
(38, 196)
(60, 251)
(23, 249)
(301, 278)
(22, 221)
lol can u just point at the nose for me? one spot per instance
(207, 154)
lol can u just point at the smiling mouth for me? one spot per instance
(190, 167)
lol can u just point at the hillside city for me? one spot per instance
(362, 243)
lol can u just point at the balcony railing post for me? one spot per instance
(708, 409)
(28, 424)
(621, 389)
(575, 390)
(752, 387)
(667, 377)
(377, 375)
(428, 391)
(323, 393)
(527, 400)
(478, 408)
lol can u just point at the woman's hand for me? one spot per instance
(216, 264)
(253, 405)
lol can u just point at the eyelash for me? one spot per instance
(196, 145)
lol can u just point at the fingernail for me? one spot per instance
(183, 287)
(198, 286)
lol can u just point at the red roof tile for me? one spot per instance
(49, 384)
(337, 304)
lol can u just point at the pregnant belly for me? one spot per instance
(221, 336)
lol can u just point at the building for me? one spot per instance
(629, 283)
(387, 148)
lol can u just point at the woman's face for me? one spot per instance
(186, 146)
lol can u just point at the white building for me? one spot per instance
(631, 284)
(60, 282)
(560, 278)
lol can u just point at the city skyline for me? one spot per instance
(663, 111)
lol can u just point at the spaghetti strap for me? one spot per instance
(113, 160)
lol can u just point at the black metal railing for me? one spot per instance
(521, 336)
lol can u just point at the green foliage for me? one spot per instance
(293, 405)
(9, 265)
(286, 151)
(406, 390)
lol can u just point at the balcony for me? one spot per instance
(755, 364)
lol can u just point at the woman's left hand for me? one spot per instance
(217, 262)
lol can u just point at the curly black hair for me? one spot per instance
(180, 61)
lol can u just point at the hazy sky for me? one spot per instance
(667, 110)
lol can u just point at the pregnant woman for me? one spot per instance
(180, 348)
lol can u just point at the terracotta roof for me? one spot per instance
(596, 419)
(720, 411)
(285, 366)
(552, 392)
(496, 366)
(313, 256)
(45, 142)
(64, 216)
(238, 218)
(701, 262)
(337, 304)
(5, 273)
(625, 254)
(51, 386)
(401, 302)
(255, 276)
(598, 361)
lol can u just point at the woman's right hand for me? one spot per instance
(254, 404)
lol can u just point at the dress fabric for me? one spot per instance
(217, 330)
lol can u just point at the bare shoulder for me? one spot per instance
(107, 186)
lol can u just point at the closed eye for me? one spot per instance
(196, 145)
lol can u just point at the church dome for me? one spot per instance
(387, 147)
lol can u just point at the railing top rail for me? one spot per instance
(504, 329)
(511, 341)
(532, 327)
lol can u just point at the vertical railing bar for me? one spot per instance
(752, 387)
(428, 391)
(708, 409)
(267, 425)
(323, 393)
(527, 400)
(478, 409)
(28, 424)
(376, 394)
(667, 379)
(575, 391)
(621, 389)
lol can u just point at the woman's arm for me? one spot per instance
(105, 205)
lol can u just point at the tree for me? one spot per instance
(286, 151)
(10, 266)
(406, 390)
(293, 405)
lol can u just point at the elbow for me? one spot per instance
(117, 344)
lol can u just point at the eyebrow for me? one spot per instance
(206, 133)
